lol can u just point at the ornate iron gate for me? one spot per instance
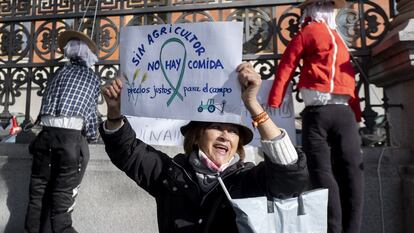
(28, 30)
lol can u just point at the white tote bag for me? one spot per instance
(307, 213)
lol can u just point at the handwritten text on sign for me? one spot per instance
(167, 132)
(182, 71)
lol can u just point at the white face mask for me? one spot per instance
(78, 48)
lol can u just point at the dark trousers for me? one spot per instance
(332, 145)
(60, 157)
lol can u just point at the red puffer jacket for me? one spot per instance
(326, 65)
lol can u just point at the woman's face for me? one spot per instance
(219, 141)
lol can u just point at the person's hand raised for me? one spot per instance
(250, 82)
(112, 93)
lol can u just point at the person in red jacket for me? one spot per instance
(329, 129)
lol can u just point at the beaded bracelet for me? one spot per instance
(259, 119)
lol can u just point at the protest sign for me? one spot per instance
(167, 132)
(158, 131)
(182, 71)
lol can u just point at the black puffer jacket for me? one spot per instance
(181, 205)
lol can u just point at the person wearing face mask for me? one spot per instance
(69, 118)
(185, 187)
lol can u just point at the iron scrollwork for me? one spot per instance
(199, 16)
(107, 37)
(347, 21)
(29, 32)
(14, 43)
(45, 39)
(292, 20)
(10, 88)
(258, 29)
(4, 87)
(374, 21)
(14, 8)
(107, 73)
(377, 23)
(265, 68)
(152, 19)
(40, 77)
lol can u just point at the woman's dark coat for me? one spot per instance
(181, 205)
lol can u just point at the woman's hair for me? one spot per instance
(193, 135)
(321, 12)
(78, 48)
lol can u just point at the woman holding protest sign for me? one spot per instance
(187, 193)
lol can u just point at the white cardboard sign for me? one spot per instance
(182, 71)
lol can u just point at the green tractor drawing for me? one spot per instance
(210, 106)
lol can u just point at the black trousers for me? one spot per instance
(332, 145)
(60, 157)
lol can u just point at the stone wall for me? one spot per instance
(392, 68)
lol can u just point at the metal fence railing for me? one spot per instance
(29, 55)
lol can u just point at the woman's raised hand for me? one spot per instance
(250, 82)
(112, 93)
